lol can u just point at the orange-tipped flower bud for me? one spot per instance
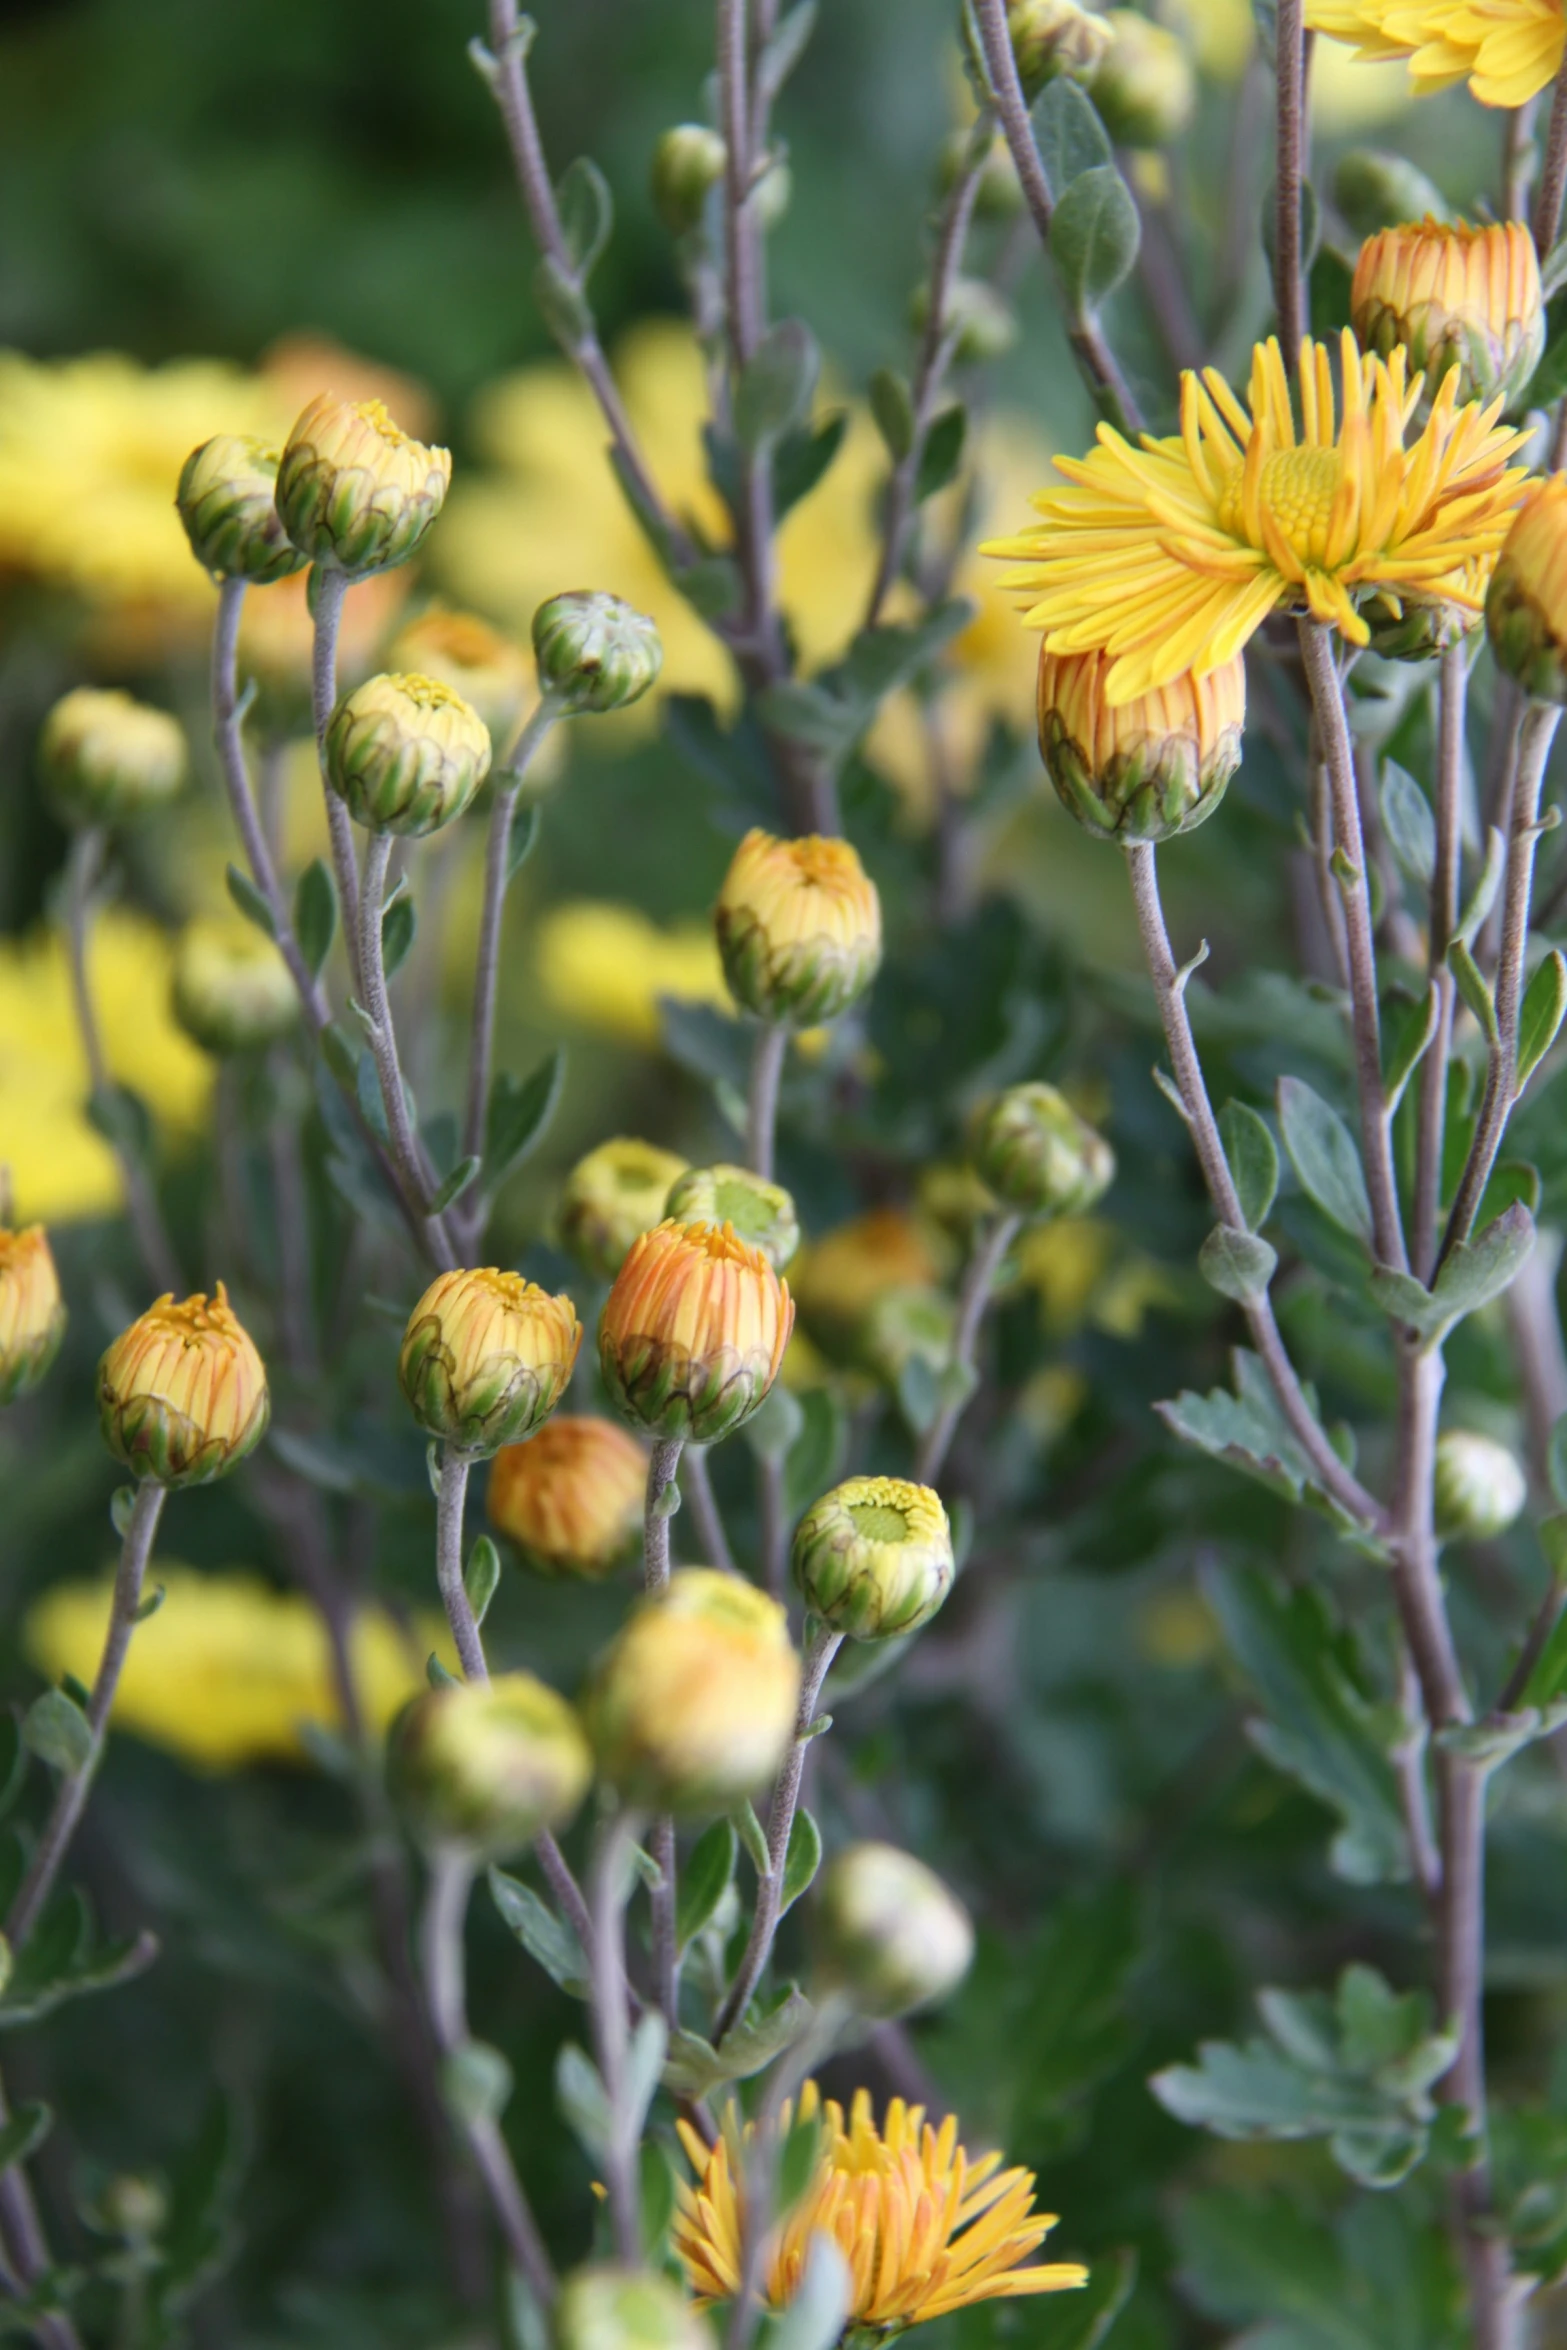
(182, 1394)
(107, 758)
(406, 753)
(1454, 296)
(489, 1765)
(486, 1357)
(1526, 606)
(799, 927)
(471, 659)
(873, 1558)
(1151, 768)
(232, 990)
(889, 1933)
(356, 494)
(611, 1198)
(571, 1497)
(32, 1311)
(762, 1213)
(1035, 1153)
(692, 1706)
(693, 1332)
(227, 502)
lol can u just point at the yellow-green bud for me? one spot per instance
(761, 1213)
(232, 990)
(1143, 87)
(595, 652)
(975, 319)
(1142, 770)
(626, 2309)
(32, 1311)
(1479, 1488)
(489, 1765)
(1374, 189)
(611, 1198)
(406, 753)
(873, 1558)
(889, 1934)
(107, 758)
(688, 163)
(227, 502)
(355, 493)
(773, 194)
(133, 2207)
(1051, 37)
(486, 1357)
(799, 927)
(1036, 1154)
(692, 1706)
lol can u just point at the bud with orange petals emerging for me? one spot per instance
(486, 1357)
(693, 1332)
(1453, 296)
(182, 1394)
(32, 1311)
(799, 927)
(355, 494)
(1150, 768)
(571, 1496)
(1526, 607)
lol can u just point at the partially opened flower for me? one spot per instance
(182, 1394)
(1454, 296)
(1506, 50)
(693, 1333)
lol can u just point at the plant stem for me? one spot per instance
(1432, 1110)
(1534, 1324)
(822, 1647)
(1170, 992)
(383, 1045)
(773, 1523)
(449, 1505)
(612, 2029)
(661, 1470)
(978, 1282)
(487, 968)
(697, 1486)
(1289, 290)
(75, 1785)
(1553, 179)
(28, 2245)
(767, 1064)
(331, 588)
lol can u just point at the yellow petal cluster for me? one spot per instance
(1506, 50)
(925, 2230)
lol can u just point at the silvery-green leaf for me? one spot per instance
(1324, 1155)
(1254, 1161)
(1237, 1264)
(1409, 823)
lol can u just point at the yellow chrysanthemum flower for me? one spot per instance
(608, 967)
(1171, 555)
(1506, 50)
(924, 2230)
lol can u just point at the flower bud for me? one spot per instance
(611, 1198)
(1479, 1487)
(1375, 190)
(471, 659)
(1149, 768)
(489, 1765)
(182, 1394)
(134, 2207)
(1399, 628)
(999, 195)
(688, 163)
(355, 494)
(227, 502)
(595, 653)
(889, 1933)
(799, 928)
(486, 1357)
(232, 990)
(1051, 37)
(1453, 297)
(873, 1558)
(626, 2309)
(1526, 604)
(977, 321)
(406, 753)
(107, 758)
(762, 1214)
(571, 1497)
(1035, 1152)
(1143, 88)
(32, 1311)
(692, 1706)
(907, 1326)
(693, 1332)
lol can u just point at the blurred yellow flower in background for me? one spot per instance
(607, 966)
(228, 1669)
(61, 1167)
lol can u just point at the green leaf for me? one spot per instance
(13, 1762)
(584, 2101)
(1472, 987)
(57, 1731)
(339, 1056)
(694, 2067)
(1381, 2279)
(198, 2238)
(481, 1576)
(1482, 1268)
(644, 2065)
(476, 2081)
(1246, 1429)
(801, 459)
(783, 51)
(122, 1118)
(1069, 134)
(893, 408)
(712, 587)
(797, 2161)
(1408, 1025)
(1483, 895)
(398, 924)
(777, 384)
(753, 1836)
(562, 305)
(519, 1114)
(814, 1460)
(24, 2133)
(1409, 824)
(1544, 1004)
(814, 2319)
(249, 900)
(457, 1182)
(941, 452)
(63, 1959)
(315, 913)
(546, 1938)
(525, 822)
(1324, 1156)
(705, 1880)
(775, 1427)
(656, 2198)
(802, 1860)
(1236, 1264)
(1094, 237)
(587, 214)
(1249, 1147)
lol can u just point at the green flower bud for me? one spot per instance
(406, 753)
(626, 2309)
(1038, 1155)
(978, 322)
(688, 163)
(107, 758)
(133, 2207)
(232, 990)
(595, 653)
(761, 1213)
(227, 502)
(486, 1357)
(873, 1558)
(356, 494)
(611, 1198)
(1480, 1488)
(489, 1765)
(1143, 87)
(1051, 37)
(1375, 190)
(889, 1933)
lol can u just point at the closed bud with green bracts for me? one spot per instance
(611, 1198)
(1052, 37)
(873, 1558)
(762, 1214)
(182, 1394)
(407, 754)
(976, 320)
(1479, 1489)
(356, 494)
(688, 164)
(489, 1765)
(107, 758)
(486, 1357)
(889, 1935)
(1374, 189)
(1145, 769)
(1143, 87)
(693, 1333)
(227, 502)
(32, 1311)
(691, 1707)
(571, 1496)
(1401, 629)
(595, 652)
(626, 2309)
(232, 990)
(799, 927)
(1526, 604)
(1038, 1156)
(1451, 296)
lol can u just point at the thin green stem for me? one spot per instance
(767, 1066)
(610, 1883)
(383, 1045)
(449, 1505)
(331, 588)
(497, 861)
(978, 1282)
(1288, 282)
(1443, 922)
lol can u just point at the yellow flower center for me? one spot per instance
(374, 414)
(876, 1522)
(1297, 490)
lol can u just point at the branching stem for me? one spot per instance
(1432, 1109)
(978, 1282)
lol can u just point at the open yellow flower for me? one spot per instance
(1171, 555)
(1506, 50)
(924, 2230)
